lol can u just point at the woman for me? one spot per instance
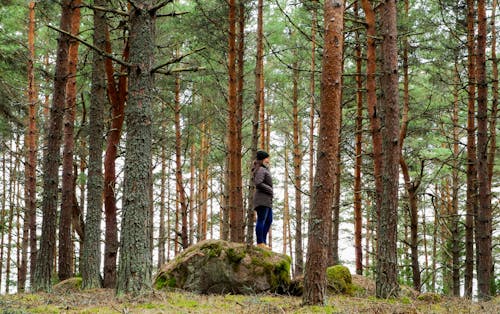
(263, 197)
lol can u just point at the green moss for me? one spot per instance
(165, 281)
(339, 279)
(405, 300)
(235, 256)
(430, 297)
(212, 249)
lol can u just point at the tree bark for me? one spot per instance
(387, 267)
(181, 194)
(358, 214)
(297, 174)
(235, 205)
(134, 270)
(44, 262)
(65, 260)
(29, 226)
(91, 255)
(411, 187)
(484, 216)
(117, 94)
(471, 202)
(319, 220)
(371, 100)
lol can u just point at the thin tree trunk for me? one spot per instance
(333, 251)
(162, 235)
(117, 92)
(65, 259)
(134, 271)
(235, 205)
(455, 186)
(91, 257)
(286, 204)
(178, 166)
(411, 187)
(192, 194)
(44, 262)
(358, 215)
(494, 95)
(319, 220)
(259, 73)
(371, 100)
(3, 213)
(29, 226)
(484, 216)
(14, 163)
(471, 202)
(297, 173)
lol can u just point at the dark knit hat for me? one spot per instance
(261, 155)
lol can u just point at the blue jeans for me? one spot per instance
(263, 224)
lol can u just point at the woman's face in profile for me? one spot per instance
(266, 161)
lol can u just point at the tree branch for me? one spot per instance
(173, 14)
(102, 53)
(103, 9)
(160, 5)
(175, 60)
(179, 70)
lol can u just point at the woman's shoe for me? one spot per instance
(263, 246)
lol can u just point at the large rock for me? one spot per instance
(219, 267)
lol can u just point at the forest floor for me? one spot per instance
(105, 301)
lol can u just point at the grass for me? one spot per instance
(103, 301)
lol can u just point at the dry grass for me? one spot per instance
(104, 301)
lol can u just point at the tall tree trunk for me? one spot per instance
(286, 204)
(65, 260)
(117, 94)
(3, 213)
(91, 255)
(471, 202)
(494, 95)
(484, 216)
(371, 100)
(162, 235)
(235, 205)
(45, 258)
(178, 166)
(319, 220)
(358, 214)
(457, 236)
(299, 261)
(259, 73)
(387, 267)
(29, 226)
(134, 270)
(297, 174)
(411, 187)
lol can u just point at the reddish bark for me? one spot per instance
(117, 94)
(65, 260)
(29, 232)
(319, 220)
(235, 204)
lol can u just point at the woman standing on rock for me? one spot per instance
(263, 197)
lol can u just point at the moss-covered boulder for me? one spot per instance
(220, 267)
(339, 279)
